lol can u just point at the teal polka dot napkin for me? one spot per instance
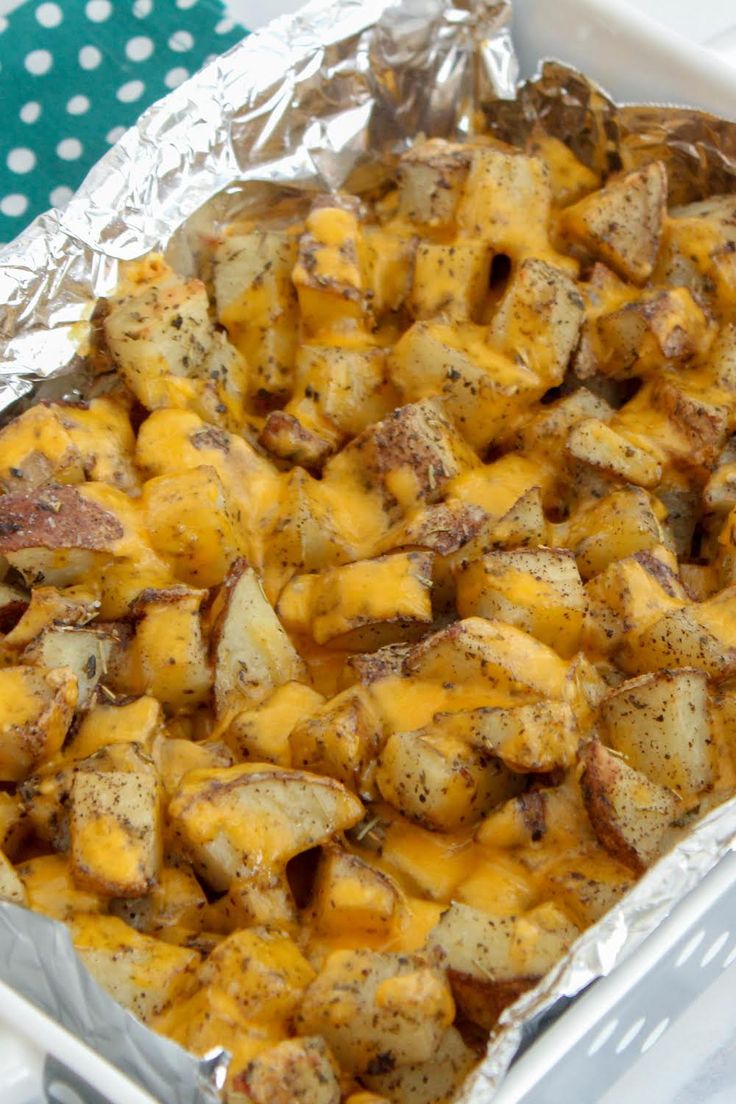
(74, 75)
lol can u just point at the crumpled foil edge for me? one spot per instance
(323, 99)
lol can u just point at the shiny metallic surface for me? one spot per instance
(321, 100)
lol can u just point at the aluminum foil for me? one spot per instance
(317, 101)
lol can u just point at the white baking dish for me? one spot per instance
(581, 1055)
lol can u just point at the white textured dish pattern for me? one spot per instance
(657, 1014)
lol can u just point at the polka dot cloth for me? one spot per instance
(74, 74)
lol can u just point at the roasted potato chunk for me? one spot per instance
(36, 708)
(630, 815)
(538, 590)
(434, 777)
(492, 959)
(621, 224)
(35, 448)
(297, 1071)
(372, 601)
(660, 723)
(351, 896)
(11, 887)
(117, 956)
(366, 1005)
(116, 832)
(235, 820)
(252, 653)
(341, 738)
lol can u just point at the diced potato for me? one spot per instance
(52, 891)
(451, 280)
(167, 351)
(484, 391)
(388, 260)
(284, 436)
(84, 652)
(640, 337)
(571, 179)
(174, 758)
(56, 535)
(116, 832)
(629, 813)
(409, 456)
(597, 444)
(699, 416)
(36, 709)
(359, 603)
(340, 391)
(352, 897)
(506, 201)
(46, 795)
(432, 863)
(434, 777)
(178, 440)
(297, 1071)
(173, 909)
(539, 320)
(368, 1005)
(697, 248)
(502, 654)
(431, 176)
(538, 590)
(621, 224)
(587, 886)
(432, 1082)
(193, 525)
(253, 655)
(141, 973)
(48, 606)
(699, 635)
(622, 523)
(660, 723)
(442, 528)
(35, 448)
(630, 594)
(11, 886)
(235, 820)
(167, 657)
(341, 738)
(101, 431)
(263, 972)
(261, 735)
(263, 899)
(256, 303)
(537, 738)
(328, 274)
(493, 959)
(137, 721)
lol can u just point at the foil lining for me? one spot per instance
(321, 100)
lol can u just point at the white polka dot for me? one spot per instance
(69, 149)
(142, 8)
(180, 42)
(130, 91)
(184, 4)
(89, 57)
(60, 196)
(174, 77)
(139, 48)
(77, 105)
(208, 59)
(3, 24)
(115, 134)
(49, 15)
(38, 62)
(21, 160)
(30, 112)
(97, 11)
(13, 205)
(224, 26)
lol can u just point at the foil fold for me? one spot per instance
(318, 101)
